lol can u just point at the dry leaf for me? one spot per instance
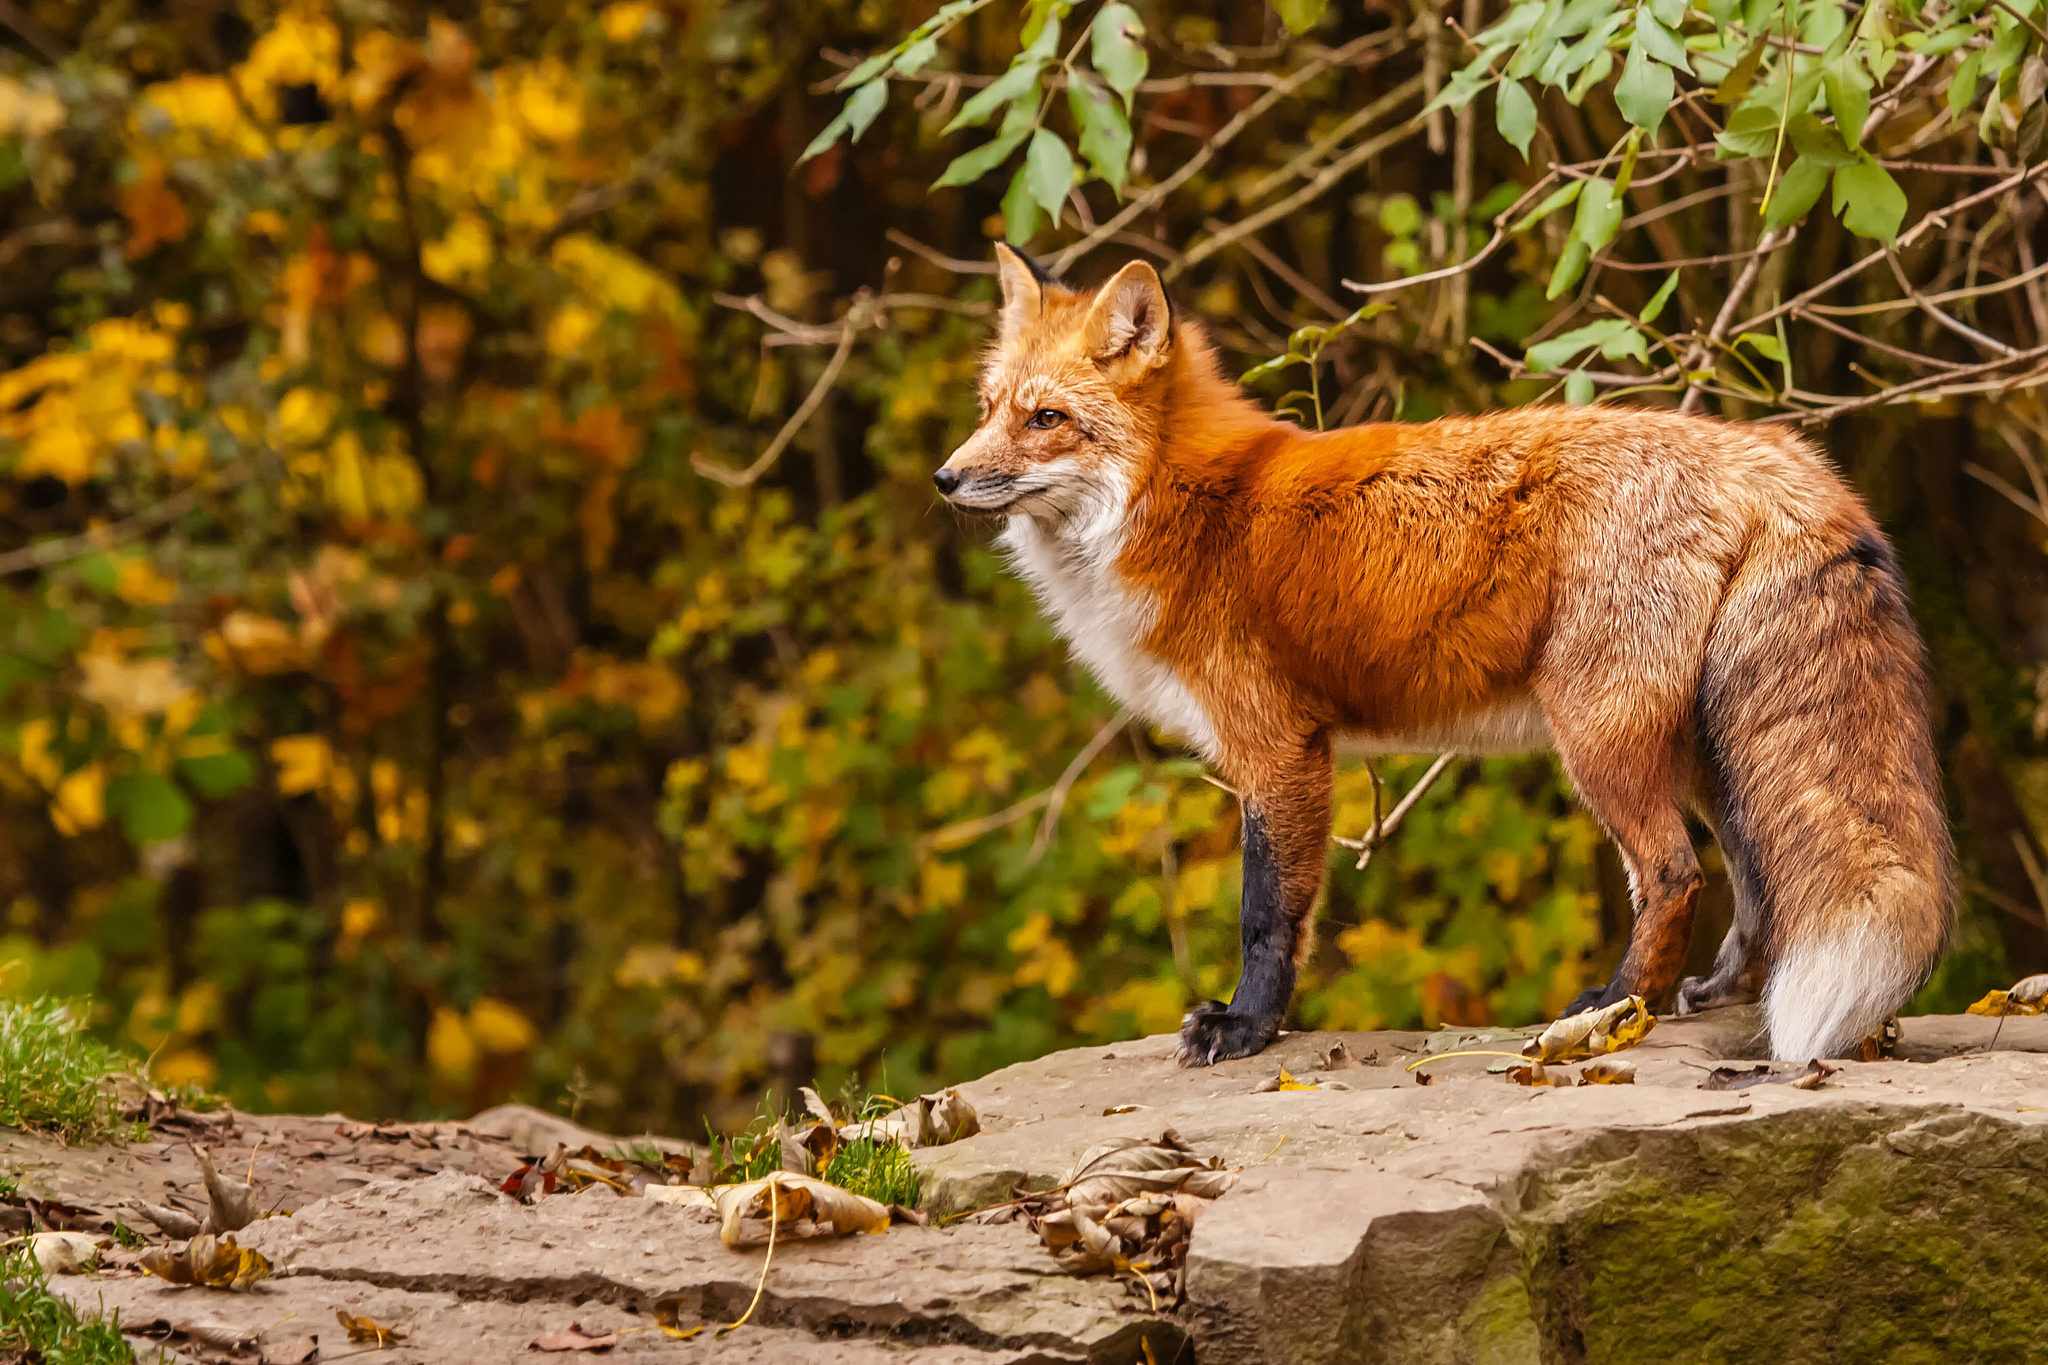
(366, 1330)
(1124, 1109)
(816, 1107)
(1608, 1071)
(574, 1338)
(2029, 995)
(1537, 1074)
(1335, 1057)
(171, 1222)
(1128, 1207)
(687, 1196)
(668, 1314)
(290, 1351)
(63, 1253)
(231, 1205)
(1594, 1033)
(213, 1262)
(796, 1199)
(928, 1121)
(1742, 1078)
(1884, 1044)
(796, 1157)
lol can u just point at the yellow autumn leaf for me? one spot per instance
(626, 20)
(139, 584)
(80, 801)
(304, 415)
(569, 328)
(304, 763)
(28, 111)
(1594, 1033)
(451, 1051)
(500, 1029)
(464, 251)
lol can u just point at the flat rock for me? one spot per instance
(1891, 1214)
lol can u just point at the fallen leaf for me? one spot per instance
(795, 1199)
(1881, 1045)
(63, 1253)
(1335, 1057)
(796, 1157)
(1742, 1078)
(814, 1106)
(290, 1351)
(367, 1330)
(668, 1315)
(1124, 1109)
(1594, 1033)
(209, 1261)
(231, 1205)
(928, 1121)
(1424, 1078)
(687, 1196)
(171, 1222)
(574, 1338)
(1537, 1074)
(2029, 995)
(1608, 1071)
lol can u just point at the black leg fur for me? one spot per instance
(1213, 1032)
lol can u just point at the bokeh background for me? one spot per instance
(416, 726)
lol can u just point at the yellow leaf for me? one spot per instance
(80, 801)
(1594, 1033)
(463, 252)
(141, 585)
(28, 113)
(360, 918)
(500, 1029)
(451, 1052)
(744, 1209)
(304, 416)
(570, 327)
(304, 763)
(626, 20)
(1287, 1082)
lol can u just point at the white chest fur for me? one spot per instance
(1072, 569)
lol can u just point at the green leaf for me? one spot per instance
(149, 806)
(1751, 131)
(1644, 92)
(98, 571)
(1363, 313)
(1596, 71)
(216, 775)
(916, 57)
(1549, 355)
(1869, 200)
(1400, 215)
(1655, 307)
(1115, 788)
(1962, 87)
(971, 166)
(1043, 13)
(1811, 137)
(1020, 210)
(1627, 343)
(1514, 113)
(1118, 49)
(1105, 132)
(1049, 169)
(1848, 90)
(1017, 82)
(1552, 202)
(1764, 344)
(1571, 263)
(1462, 88)
(1268, 367)
(1300, 15)
(1797, 191)
(1599, 215)
(1660, 42)
(1578, 389)
(859, 111)
(1670, 13)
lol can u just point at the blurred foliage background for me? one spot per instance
(407, 705)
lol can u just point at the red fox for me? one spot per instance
(1696, 615)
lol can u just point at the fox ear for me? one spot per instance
(1023, 294)
(1131, 317)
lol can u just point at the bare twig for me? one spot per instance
(740, 478)
(49, 552)
(1053, 797)
(1702, 349)
(1384, 830)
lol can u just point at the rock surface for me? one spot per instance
(1894, 1213)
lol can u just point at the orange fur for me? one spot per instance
(1696, 615)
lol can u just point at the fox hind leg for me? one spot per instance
(1737, 977)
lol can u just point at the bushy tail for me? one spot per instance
(1813, 708)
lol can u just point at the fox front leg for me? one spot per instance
(1286, 833)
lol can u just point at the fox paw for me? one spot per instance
(1211, 1033)
(1587, 999)
(1697, 993)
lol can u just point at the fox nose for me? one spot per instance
(947, 480)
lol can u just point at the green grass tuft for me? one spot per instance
(882, 1171)
(36, 1325)
(53, 1074)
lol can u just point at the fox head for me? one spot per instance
(1070, 393)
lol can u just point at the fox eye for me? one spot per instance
(1045, 419)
